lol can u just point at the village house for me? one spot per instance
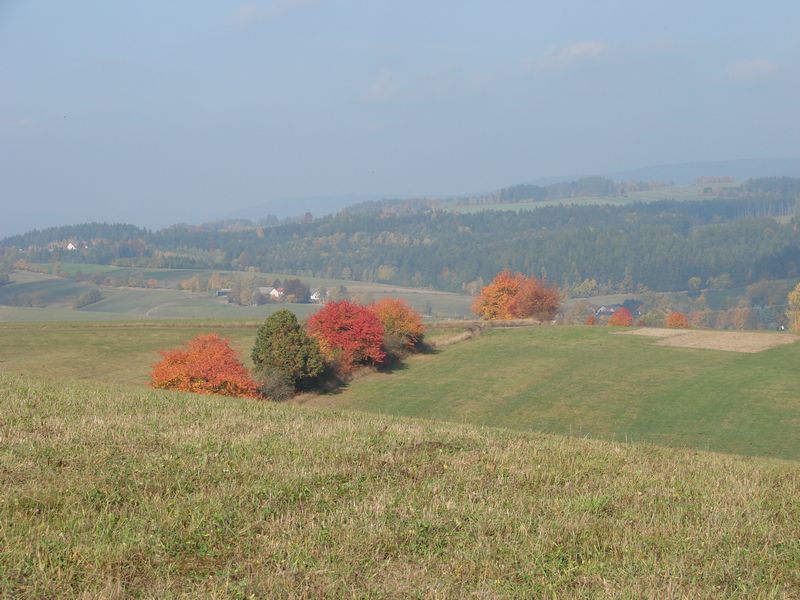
(607, 310)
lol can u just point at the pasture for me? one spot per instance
(112, 491)
(585, 381)
(578, 381)
(107, 352)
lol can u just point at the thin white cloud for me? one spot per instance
(561, 58)
(750, 70)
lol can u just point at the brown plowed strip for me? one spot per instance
(733, 341)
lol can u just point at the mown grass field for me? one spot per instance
(110, 491)
(585, 381)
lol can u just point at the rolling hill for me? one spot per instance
(117, 492)
(585, 381)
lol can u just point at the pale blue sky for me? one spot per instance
(154, 112)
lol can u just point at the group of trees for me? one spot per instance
(87, 298)
(586, 186)
(515, 296)
(659, 246)
(288, 356)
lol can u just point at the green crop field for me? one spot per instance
(115, 492)
(55, 296)
(586, 381)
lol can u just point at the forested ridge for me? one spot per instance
(660, 245)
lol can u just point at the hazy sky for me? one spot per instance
(154, 112)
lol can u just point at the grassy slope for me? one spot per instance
(570, 380)
(108, 352)
(587, 381)
(109, 491)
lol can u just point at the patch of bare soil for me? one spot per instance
(655, 332)
(732, 341)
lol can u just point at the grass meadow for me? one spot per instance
(578, 381)
(109, 352)
(584, 381)
(111, 491)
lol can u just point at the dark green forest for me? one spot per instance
(659, 246)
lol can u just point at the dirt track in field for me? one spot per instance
(733, 341)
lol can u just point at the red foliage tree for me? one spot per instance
(515, 296)
(591, 320)
(400, 320)
(621, 318)
(348, 333)
(677, 320)
(535, 299)
(208, 366)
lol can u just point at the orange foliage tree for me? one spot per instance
(207, 366)
(621, 318)
(514, 296)
(591, 320)
(677, 320)
(700, 318)
(494, 301)
(401, 321)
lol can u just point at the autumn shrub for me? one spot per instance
(652, 318)
(207, 366)
(621, 318)
(515, 296)
(400, 322)
(677, 320)
(591, 320)
(274, 384)
(282, 345)
(348, 334)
